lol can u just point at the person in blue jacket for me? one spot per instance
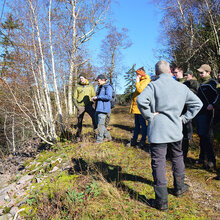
(103, 107)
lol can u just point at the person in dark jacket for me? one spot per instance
(217, 116)
(162, 103)
(192, 83)
(103, 107)
(208, 94)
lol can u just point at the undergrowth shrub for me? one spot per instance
(63, 197)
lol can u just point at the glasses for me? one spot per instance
(202, 72)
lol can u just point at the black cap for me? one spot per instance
(188, 72)
(101, 76)
(83, 75)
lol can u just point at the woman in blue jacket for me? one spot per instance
(103, 106)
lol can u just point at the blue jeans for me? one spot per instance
(140, 122)
(102, 131)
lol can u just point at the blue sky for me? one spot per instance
(142, 19)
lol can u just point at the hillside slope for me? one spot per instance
(105, 181)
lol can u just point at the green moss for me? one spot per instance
(6, 210)
(45, 156)
(27, 162)
(110, 181)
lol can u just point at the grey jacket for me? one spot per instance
(168, 97)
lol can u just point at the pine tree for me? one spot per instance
(130, 77)
(6, 32)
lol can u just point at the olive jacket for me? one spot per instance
(82, 94)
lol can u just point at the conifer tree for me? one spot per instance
(7, 29)
(130, 77)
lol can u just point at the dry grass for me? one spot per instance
(112, 181)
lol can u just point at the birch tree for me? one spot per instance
(190, 30)
(57, 96)
(85, 16)
(111, 48)
(49, 48)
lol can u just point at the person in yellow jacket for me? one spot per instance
(82, 100)
(142, 80)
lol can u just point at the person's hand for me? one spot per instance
(138, 78)
(94, 98)
(156, 113)
(210, 107)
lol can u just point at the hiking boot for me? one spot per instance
(199, 161)
(209, 166)
(78, 139)
(160, 205)
(132, 143)
(161, 198)
(107, 139)
(141, 145)
(180, 192)
(179, 186)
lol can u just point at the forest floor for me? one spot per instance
(108, 181)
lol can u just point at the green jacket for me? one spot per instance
(83, 94)
(182, 80)
(193, 85)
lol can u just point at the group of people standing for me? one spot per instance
(169, 106)
(208, 93)
(84, 97)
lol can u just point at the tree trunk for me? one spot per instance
(57, 98)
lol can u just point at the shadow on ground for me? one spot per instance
(190, 163)
(121, 109)
(113, 174)
(123, 127)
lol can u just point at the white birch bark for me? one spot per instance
(5, 130)
(57, 98)
(46, 89)
(13, 132)
(78, 40)
(73, 58)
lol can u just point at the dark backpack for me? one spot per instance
(114, 98)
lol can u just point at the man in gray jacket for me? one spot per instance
(162, 103)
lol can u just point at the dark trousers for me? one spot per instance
(140, 124)
(204, 124)
(187, 135)
(80, 114)
(158, 161)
